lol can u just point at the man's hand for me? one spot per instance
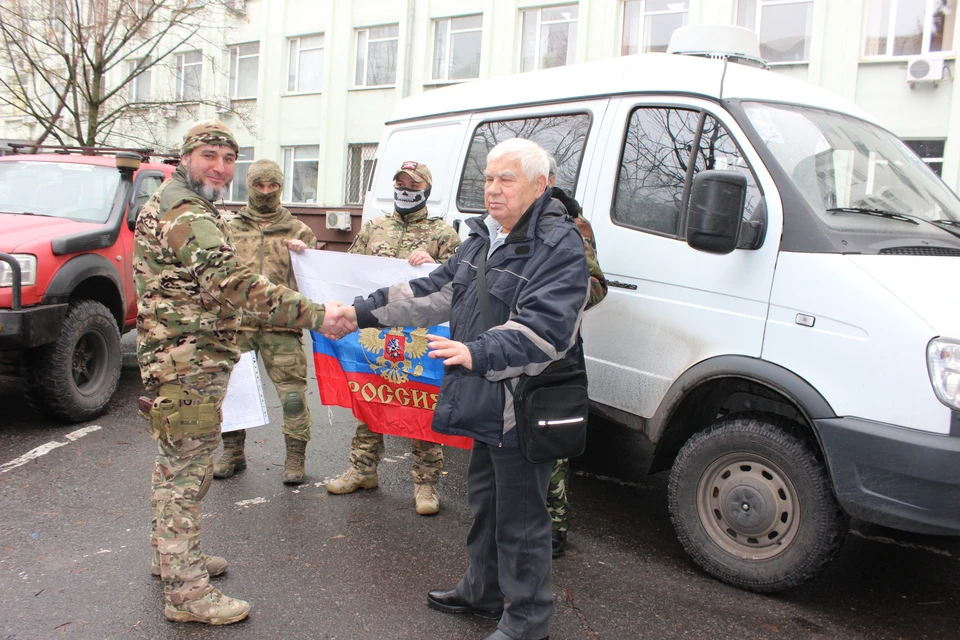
(329, 328)
(297, 246)
(420, 257)
(343, 319)
(452, 352)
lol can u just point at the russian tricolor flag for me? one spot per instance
(386, 377)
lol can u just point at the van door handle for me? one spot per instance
(621, 285)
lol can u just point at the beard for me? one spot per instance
(205, 191)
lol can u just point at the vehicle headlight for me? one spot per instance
(943, 364)
(28, 271)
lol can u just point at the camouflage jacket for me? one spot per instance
(259, 245)
(190, 288)
(393, 237)
(598, 283)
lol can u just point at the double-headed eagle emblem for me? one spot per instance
(395, 352)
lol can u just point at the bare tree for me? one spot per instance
(81, 68)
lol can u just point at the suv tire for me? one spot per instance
(74, 378)
(752, 504)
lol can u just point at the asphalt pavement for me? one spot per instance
(74, 547)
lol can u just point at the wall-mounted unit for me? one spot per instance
(924, 70)
(339, 220)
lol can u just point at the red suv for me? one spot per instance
(66, 271)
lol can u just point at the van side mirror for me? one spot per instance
(716, 209)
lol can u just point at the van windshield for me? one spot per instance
(856, 176)
(59, 189)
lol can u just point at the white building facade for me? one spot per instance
(318, 78)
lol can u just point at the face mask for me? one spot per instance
(407, 201)
(264, 202)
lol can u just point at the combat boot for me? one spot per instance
(427, 499)
(213, 608)
(351, 480)
(232, 459)
(296, 458)
(215, 565)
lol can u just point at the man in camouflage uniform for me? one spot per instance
(264, 233)
(190, 289)
(408, 233)
(557, 501)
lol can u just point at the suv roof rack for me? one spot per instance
(145, 154)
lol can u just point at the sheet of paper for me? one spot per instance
(244, 405)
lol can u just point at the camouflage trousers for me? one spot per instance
(557, 496)
(182, 473)
(367, 450)
(286, 364)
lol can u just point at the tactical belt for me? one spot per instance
(172, 420)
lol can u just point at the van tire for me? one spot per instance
(74, 378)
(752, 504)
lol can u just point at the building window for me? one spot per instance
(648, 24)
(784, 27)
(244, 68)
(305, 71)
(238, 189)
(360, 162)
(189, 69)
(301, 165)
(456, 47)
(140, 84)
(563, 136)
(930, 151)
(377, 56)
(909, 27)
(549, 37)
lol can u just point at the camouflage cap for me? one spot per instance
(208, 132)
(416, 170)
(264, 171)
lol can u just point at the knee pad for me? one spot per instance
(293, 403)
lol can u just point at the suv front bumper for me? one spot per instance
(30, 327)
(893, 476)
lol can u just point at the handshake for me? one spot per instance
(338, 320)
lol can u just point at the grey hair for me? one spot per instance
(533, 159)
(553, 166)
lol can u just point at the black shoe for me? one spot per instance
(450, 602)
(559, 543)
(500, 635)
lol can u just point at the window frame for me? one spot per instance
(680, 233)
(289, 173)
(363, 184)
(234, 185)
(295, 75)
(758, 22)
(540, 23)
(233, 73)
(180, 78)
(928, 160)
(366, 58)
(133, 95)
(446, 54)
(891, 35)
(642, 14)
(512, 117)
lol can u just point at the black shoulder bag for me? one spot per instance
(551, 408)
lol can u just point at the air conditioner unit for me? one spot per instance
(925, 70)
(169, 111)
(339, 220)
(222, 105)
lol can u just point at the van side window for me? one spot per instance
(561, 135)
(653, 168)
(719, 151)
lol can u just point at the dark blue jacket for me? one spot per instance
(538, 285)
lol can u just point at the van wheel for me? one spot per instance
(74, 378)
(752, 504)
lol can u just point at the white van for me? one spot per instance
(780, 321)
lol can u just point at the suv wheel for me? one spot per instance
(74, 378)
(752, 504)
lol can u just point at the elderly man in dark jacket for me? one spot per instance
(537, 279)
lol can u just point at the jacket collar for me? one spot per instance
(418, 216)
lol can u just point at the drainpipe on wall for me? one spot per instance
(408, 55)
